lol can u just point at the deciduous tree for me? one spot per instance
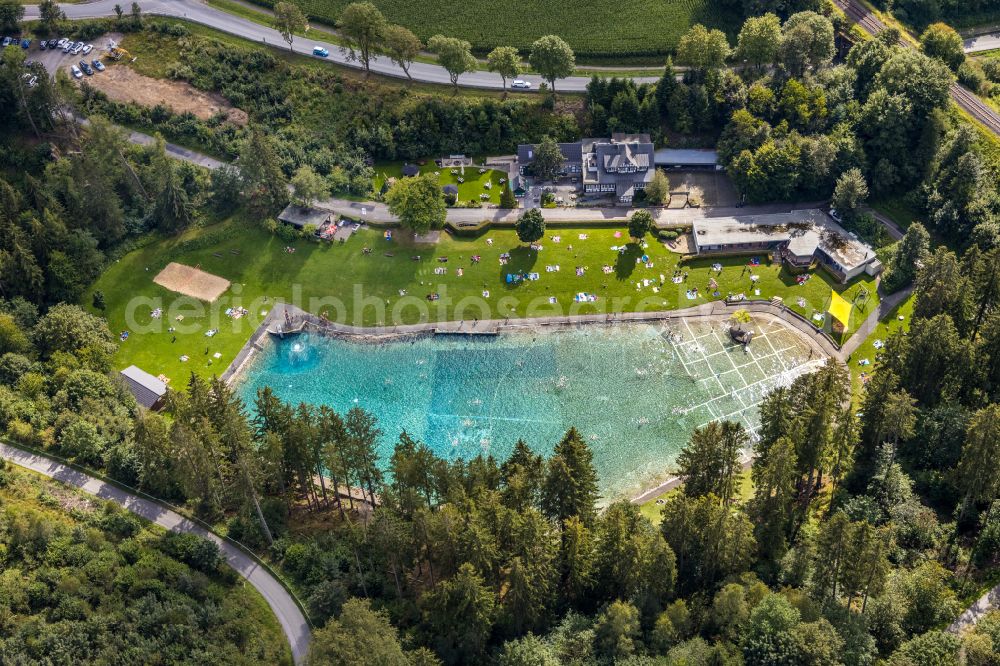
(702, 49)
(454, 54)
(850, 194)
(308, 186)
(941, 41)
(658, 189)
(363, 27)
(639, 225)
(759, 41)
(402, 47)
(418, 203)
(530, 226)
(505, 61)
(288, 20)
(552, 58)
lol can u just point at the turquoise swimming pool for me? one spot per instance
(635, 391)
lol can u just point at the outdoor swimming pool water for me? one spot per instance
(635, 391)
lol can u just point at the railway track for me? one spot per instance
(964, 98)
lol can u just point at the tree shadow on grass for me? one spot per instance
(625, 264)
(522, 261)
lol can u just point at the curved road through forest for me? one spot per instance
(293, 623)
(199, 12)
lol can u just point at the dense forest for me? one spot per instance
(867, 528)
(863, 535)
(82, 581)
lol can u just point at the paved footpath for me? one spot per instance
(293, 623)
(983, 605)
(885, 306)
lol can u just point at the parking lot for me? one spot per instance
(53, 59)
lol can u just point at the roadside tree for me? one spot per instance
(640, 224)
(288, 20)
(454, 54)
(505, 61)
(941, 41)
(363, 26)
(402, 47)
(702, 49)
(759, 41)
(531, 226)
(552, 58)
(51, 15)
(11, 13)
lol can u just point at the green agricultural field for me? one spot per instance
(367, 286)
(594, 29)
(470, 190)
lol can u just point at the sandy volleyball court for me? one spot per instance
(192, 282)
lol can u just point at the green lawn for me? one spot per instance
(867, 350)
(470, 190)
(365, 289)
(652, 510)
(596, 29)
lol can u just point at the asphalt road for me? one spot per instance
(293, 623)
(981, 43)
(198, 12)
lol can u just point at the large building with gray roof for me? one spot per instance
(619, 166)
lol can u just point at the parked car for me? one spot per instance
(42, 45)
(87, 69)
(30, 79)
(75, 71)
(521, 83)
(98, 65)
(88, 48)
(61, 44)
(7, 41)
(68, 46)
(837, 217)
(320, 51)
(25, 43)
(77, 48)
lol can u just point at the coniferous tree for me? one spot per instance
(570, 487)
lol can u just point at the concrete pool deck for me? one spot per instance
(297, 320)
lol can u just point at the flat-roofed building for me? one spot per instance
(798, 238)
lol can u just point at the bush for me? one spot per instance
(199, 553)
(668, 235)
(972, 76)
(118, 522)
